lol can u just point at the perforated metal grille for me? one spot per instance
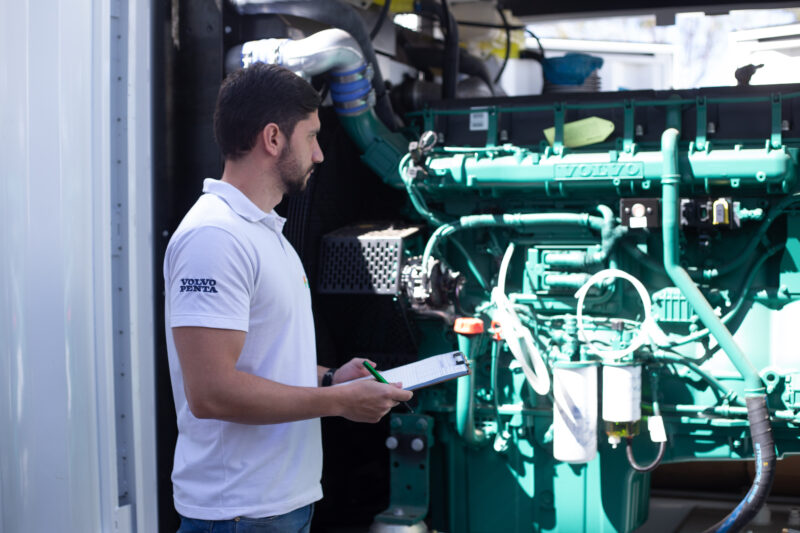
(361, 260)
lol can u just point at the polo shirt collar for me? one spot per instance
(242, 205)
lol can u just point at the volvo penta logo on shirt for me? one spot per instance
(198, 285)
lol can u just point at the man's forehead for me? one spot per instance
(311, 121)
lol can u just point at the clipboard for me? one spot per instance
(429, 371)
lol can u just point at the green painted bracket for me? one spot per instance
(628, 132)
(558, 122)
(409, 444)
(776, 139)
(702, 123)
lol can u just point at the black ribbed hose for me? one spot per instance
(764, 451)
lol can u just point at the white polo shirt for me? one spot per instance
(229, 266)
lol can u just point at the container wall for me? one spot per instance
(76, 399)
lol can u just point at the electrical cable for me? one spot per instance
(508, 44)
(707, 275)
(708, 378)
(422, 208)
(696, 336)
(656, 426)
(742, 298)
(413, 193)
(471, 265)
(774, 213)
(538, 41)
(381, 18)
(662, 446)
(502, 27)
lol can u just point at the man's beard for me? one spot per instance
(293, 177)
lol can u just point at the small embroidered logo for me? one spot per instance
(198, 285)
(305, 282)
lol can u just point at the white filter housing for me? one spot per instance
(622, 393)
(575, 413)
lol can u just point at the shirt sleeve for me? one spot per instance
(209, 280)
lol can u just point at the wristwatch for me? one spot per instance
(327, 378)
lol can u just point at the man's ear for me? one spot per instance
(272, 139)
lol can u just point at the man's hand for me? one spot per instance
(367, 400)
(353, 369)
(216, 389)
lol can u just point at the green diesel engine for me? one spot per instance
(623, 304)
(620, 270)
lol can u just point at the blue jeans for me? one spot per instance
(298, 521)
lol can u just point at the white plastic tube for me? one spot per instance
(518, 337)
(645, 330)
(575, 412)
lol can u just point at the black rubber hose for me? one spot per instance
(473, 66)
(338, 15)
(425, 57)
(451, 55)
(764, 451)
(449, 27)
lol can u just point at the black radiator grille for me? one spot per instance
(362, 260)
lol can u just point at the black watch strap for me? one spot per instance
(327, 378)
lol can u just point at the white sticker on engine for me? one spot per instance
(479, 121)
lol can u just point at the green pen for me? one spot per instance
(380, 378)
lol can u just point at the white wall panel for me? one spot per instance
(59, 414)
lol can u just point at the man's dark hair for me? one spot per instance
(251, 98)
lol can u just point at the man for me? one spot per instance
(240, 334)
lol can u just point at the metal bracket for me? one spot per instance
(776, 138)
(702, 123)
(491, 132)
(628, 126)
(558, 123)
(410, 439)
